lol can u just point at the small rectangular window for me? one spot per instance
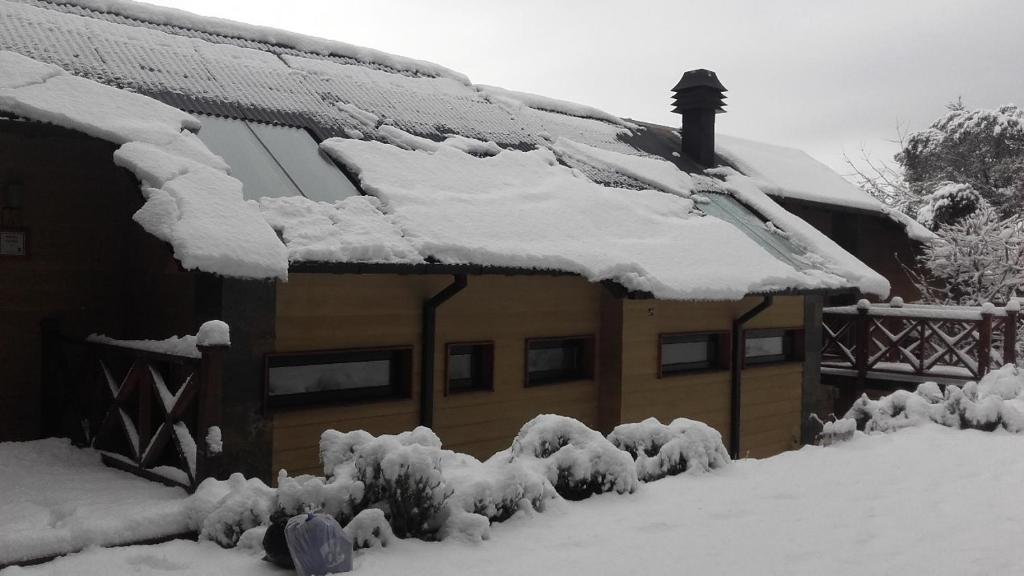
(470, 367)
(681, 353)
(338, 376)
(767, 346)
(553, 360)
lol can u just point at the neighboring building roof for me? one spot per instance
(792, 174)
(518, 181)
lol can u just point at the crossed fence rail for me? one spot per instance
(942, 342)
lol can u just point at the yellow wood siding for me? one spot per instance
(322, 312)
(771, 394)
(326, 312)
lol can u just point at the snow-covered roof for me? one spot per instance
(191, 201)
(790, 173)
(454, 173)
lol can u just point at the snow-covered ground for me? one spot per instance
(925, 500)
(55, 498)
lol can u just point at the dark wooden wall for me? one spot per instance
(90, 266)
(876, 240)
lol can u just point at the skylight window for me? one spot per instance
(317, 177)
(731, 210)
(274, 161)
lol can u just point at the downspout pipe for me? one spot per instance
(737, 371)
(428, 344)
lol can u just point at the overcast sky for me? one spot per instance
(821, 75)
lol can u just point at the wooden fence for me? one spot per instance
(147, 412)
(927, 342)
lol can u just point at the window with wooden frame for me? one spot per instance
(772, 346)
(553, 360)
(338, 376)
(682, 353)
(469, 367)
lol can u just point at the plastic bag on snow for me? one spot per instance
(318, 545)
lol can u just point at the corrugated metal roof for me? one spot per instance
(329, 95)
(241, 78)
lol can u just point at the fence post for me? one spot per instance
(922, 348)
(985, 340)
(1010, 334)
(209, 413)
(863, 348)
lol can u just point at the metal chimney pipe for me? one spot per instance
(699, 96)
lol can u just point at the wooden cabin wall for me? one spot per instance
(770, 405)
(324, 312)
(507, 311)
(330, 312)
(90, 266)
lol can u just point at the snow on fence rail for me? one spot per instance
(142, 404)
(959, 342)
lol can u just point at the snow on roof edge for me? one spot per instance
(841, 262)
(644, 240)
(163, 15)
(191, 201)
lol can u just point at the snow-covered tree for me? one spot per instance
(964, 157)
(948, 203)
(978, 259)
(883, 180)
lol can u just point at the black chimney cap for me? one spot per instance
(699, 78)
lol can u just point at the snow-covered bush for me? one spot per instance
(369, 529)
(406, 485)
(244, 504)
(837, 431)
(341, 496)
(423, 490)
(410, 487)
(400, 474)
(660, 450)
(997, 401)
(495, 489)
(340, 448)
(578, 461)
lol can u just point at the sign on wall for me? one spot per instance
(14, 242)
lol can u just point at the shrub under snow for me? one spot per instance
(578, 461)
(495, 489)
(380, 487)
(340, 496)
(666, 450)
(369, 529)
(228, 508)
(837, 431)
(997, 401)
